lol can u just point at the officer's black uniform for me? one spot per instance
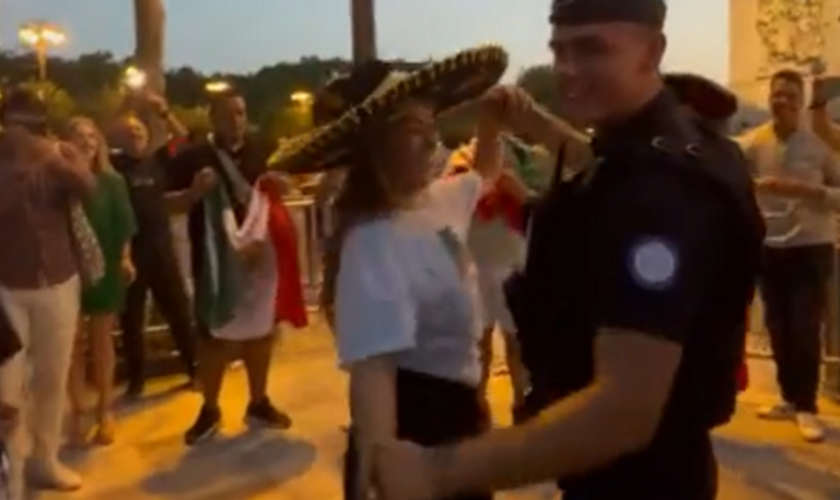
(659, 236)
(157, 269)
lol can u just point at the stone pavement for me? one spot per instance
(759, 460)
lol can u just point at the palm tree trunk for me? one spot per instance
(150, 23)
(363, 19)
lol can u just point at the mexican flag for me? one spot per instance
(239, 302)
(496, 202)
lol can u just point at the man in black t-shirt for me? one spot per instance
(152, 249)
(231, 158)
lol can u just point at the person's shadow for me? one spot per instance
(779, 471)
(241, 466)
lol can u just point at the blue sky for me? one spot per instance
(242, 35)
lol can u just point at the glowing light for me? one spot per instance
(134, 77)
(302, 98)
(217, 86)
(39, 34)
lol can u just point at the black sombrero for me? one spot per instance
(445, 83)
(707, 98)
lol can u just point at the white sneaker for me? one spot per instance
(779, 411)
(810, 427)
(53, 475)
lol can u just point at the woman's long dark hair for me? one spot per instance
(362, 197)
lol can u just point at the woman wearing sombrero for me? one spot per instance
(398, 273)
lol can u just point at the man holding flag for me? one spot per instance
(244, 259)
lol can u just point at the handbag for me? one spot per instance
(86, 247)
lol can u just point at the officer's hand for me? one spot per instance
(789, 188)
(204, 181)
(404, 471)
(510, 104)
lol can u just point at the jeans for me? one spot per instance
(794, 291)
(160, 275)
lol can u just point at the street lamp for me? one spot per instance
(134, 78)
(302, 98)
(216, 86)
(41, 37)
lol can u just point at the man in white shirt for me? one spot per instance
(796, 180)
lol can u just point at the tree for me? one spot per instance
(196, 118)
(94, 82)
(60, 106)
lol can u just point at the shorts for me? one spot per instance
(494, 310)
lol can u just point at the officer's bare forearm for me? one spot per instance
(181, 201)
(574, 436)
(550, 131)
(488, 159)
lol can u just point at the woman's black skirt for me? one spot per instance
(431, 411)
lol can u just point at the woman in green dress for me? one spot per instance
(111, 217)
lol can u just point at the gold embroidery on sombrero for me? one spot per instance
(448, 82)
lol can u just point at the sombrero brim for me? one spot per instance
(446, 83)
(706, 97)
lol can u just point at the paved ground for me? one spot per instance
(759, 461)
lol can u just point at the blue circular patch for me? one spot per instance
(653, 263)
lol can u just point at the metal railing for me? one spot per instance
(312, 223)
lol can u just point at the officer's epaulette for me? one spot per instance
(677, 148)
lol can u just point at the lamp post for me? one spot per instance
(41, 37)
(216, 86)
(302, 98)
(363, 22)
(134, 78)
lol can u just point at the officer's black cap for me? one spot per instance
(649, 13)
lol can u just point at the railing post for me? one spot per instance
(831, 337)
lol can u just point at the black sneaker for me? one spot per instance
(206, 425)
(263, 413)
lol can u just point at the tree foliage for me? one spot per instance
(92, 85)
(540, 82)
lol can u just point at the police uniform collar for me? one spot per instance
(642, 125)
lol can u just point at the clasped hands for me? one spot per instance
(399, 470)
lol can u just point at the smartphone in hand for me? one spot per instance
(827, 89)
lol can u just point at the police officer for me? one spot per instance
(632, 302)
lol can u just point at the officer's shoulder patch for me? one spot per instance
(653, 262)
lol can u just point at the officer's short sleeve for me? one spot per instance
(374, 311)
(654, 257)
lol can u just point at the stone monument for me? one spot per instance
(768, 35)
